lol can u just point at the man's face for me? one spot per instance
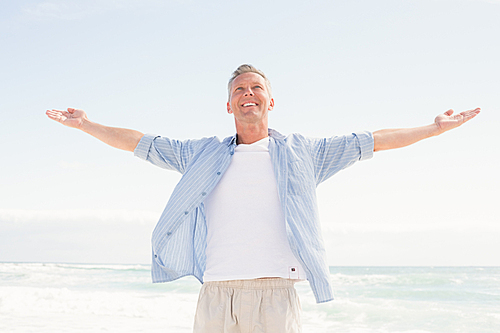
(249, 99)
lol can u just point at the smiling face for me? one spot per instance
(249, 99)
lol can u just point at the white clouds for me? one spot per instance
(96, 236)
(74, 215)
(412, 248)
(396, 228)
(488, 1)
(47, 9)
(134, 63)
(75, 10)
(76, 165)
(123, 236)
(59, 10)
(479, 1)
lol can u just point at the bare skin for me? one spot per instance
(397, 138)
(250, 103)
(120, 138)
(252, 121)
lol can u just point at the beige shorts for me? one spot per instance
(248, 306)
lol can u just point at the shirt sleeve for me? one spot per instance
(166, 153)
(330, 155)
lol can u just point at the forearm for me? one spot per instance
(120, 138)
(402, 137)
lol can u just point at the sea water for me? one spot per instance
(42, 297)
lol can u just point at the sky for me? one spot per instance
(336, 67)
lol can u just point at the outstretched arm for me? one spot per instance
(120, 138)
(397, 138)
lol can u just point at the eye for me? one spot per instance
(258, 87)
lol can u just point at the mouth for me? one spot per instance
(248, 104)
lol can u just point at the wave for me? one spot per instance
(118, 297)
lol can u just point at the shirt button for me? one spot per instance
(218, 173)
(232, 152)
(204, 193)
(169, 233)
(185, 213)
(156, 256)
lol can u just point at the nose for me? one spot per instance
(248, 92)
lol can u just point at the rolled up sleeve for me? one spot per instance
(366, 144)
(330, 155)
(142, 149)
(166, 153)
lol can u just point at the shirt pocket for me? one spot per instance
(298, 182)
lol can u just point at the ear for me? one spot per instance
(271, 104)
(229, 108)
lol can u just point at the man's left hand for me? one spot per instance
(448, 121)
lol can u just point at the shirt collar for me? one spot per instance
(271, 132)
(275, 134)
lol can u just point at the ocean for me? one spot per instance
(52, 297)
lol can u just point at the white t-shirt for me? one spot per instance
(246, 236)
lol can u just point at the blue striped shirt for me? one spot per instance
(300, 164)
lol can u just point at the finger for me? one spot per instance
(449, 112)
(474, 111)
(71, 110)
(470, 114)
(56, 115)
(52, 113)
(59, 112)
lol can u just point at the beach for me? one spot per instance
(56, 297)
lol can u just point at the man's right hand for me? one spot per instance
(71, 118)
(121, 138)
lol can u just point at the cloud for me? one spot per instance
(75, 10)
(92, 236)
(487, 1)
(76, 165)
(393, 228)
(60, 10)
(18, 216)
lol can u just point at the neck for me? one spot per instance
(250, 133)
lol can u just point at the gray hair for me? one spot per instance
(246, 68)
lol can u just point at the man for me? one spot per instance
(243, 218)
